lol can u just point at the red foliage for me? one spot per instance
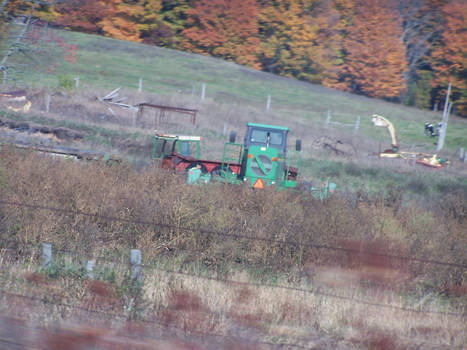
(82, 15)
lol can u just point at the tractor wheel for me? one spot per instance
(217, 171)
(202, 167)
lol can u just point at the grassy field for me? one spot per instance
(104, 63)
(234, 95)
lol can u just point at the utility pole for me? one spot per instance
(446, 111)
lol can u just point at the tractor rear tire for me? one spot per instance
(202, 167)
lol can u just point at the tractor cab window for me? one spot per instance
(266, 137)
(185, 148)
(188, 148)
(163, 147)
(275, 138)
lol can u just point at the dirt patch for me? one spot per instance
(59, 133)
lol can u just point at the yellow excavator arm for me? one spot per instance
(383, 122)
(430, 160)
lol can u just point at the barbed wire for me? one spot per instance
(106, 259)
(233, 235)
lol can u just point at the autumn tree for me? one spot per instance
(121, 21)
(420, 22)
(153, 29)
(175, 13)
(223, 28)
(374, 56)
(449, 56)
(82, 15)
(170, 24)
(299, 39)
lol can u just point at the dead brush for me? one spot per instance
(267, 234)
(119, 204)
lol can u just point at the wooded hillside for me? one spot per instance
(400, 50)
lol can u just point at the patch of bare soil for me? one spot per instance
(56, 133)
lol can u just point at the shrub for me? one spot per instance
(65, 82)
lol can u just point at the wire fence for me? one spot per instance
(235, 235)
(316, 291)
(28, 250)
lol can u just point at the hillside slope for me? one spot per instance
(233, 95)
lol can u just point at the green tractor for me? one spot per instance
(261, 160)
(264, 159)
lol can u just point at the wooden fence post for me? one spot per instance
(135, 264)
(46, 254)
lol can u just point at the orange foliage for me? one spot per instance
(82, 15)
(374, 61)
(121, 21)
(223, 28)
(298, 39)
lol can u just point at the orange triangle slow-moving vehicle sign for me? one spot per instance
(258, 183)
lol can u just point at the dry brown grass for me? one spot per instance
(215, 314)
(181, 213)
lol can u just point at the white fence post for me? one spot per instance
(328, 119)
(268, 103)
(461, 153)
(46, 254)
(135, 264)
(47, 103)
(203, 91)
(140, 87)
(89, 268)
(357, 124)
(77, 81)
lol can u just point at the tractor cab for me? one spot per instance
(264, 158)
(266, 136)
(166, 145)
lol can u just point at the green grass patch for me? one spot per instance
(104, 63)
